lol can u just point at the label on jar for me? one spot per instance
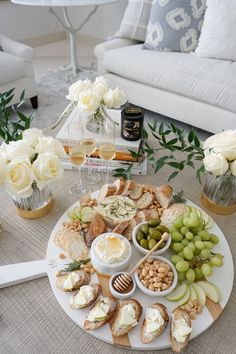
(131, 129)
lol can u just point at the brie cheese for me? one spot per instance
(84, 296)
(70, 281)
(154, 320)
(99, 311)
(181, 330)
(117, 208)
(127, 316)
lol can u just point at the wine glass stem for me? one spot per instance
(107, 179)
(80, 180)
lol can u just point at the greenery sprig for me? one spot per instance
(75, 265)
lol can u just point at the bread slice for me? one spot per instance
(97, 290)
(147, 337)
(121, 227)
(173, 212)
(120, 185)
(129, 230)
(164, 195)
(91, 325)
(137, 192)
(145, 201)
(178, 314)
(105, 191)
(118, 330)
(96, 228)
(129, 186)
(81, 278)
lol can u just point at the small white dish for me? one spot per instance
(103, 267)
(158, 293)
(144, 251)
(117, 294)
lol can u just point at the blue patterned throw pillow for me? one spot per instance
(175, 25)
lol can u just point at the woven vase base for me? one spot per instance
(215, 208)
(35, 214)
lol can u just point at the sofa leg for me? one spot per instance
(34, 102)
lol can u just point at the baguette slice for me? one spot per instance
(137, 192)
(96, 228)
(118, 330)
(77, 279)
(129, 230)
(90, 325)
(119, 185)
(121, 227)
(147, 337)
(105, 191)
(164, 195)
(176, 315)
(96, 290)
(129, 186)
(145, 201)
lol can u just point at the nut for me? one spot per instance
(61, 256)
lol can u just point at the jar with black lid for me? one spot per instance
(131, 123)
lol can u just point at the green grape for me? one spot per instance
(182, 266)
(217, 261)
(186, 221)
(184, 230)
(214, 239)
(173, 229)
(208, 244)
(176, 258)
(180, 254)
(178, 223)
(205, 253)
(198, 273)
(181, 276)
(188, 253)
(177, 247)
(184, 242)
(192, 246)
(199, 245)
(196, 238)
(177, 236)
(189, 235)
(197, 252)
(193, 221)
(195, 230)
(219, 255)
(205, 236)
(190, 275)
(206, 269)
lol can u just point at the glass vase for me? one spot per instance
(95, 121)
(219, 194)
(37, 205)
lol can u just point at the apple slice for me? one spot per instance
(210, 291)
(87, 214)
(185, 298)
(217, 290)
(193, 293)
(178, 293)
(200, 294)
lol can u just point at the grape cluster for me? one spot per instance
(193, 245)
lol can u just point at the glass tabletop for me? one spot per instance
(63, 3)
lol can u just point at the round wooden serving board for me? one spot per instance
(222, 277)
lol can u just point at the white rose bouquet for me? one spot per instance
(33, 160)
(92, 98)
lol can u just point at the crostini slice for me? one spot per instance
(164, 195)
(86, 296)
(72, 280)
(154, 323)
(180, 329)
(120, 185)
(137, 192)
(126, 317)
(145, 201)
(101, 313)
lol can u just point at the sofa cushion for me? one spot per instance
(207, 80)
(12, 68)
(174, 25)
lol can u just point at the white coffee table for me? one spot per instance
(67, 25)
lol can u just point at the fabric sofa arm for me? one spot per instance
(101, 48)
(18, 49)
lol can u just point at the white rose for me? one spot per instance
(3, 152)
(77, 88)
(89, 101)
(224, 143)
(32, 136)
(215, 163)
(47, 167)
(3, 169)
(19, 178)
(19, 148)
(100, 86)
(233, 168)
(48, 144)
(114, 98)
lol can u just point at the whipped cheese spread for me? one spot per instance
(99, 311)
(117, 208)
(70, 281)
(127, 316)
(181, 330)
(84, 296)
(112, 248)
(154, 320)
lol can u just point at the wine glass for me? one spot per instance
(107, 148)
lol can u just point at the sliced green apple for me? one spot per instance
(200, 294)
(217, 290)
(178, 293)
(193, 293)
(185, 298)
(87, 214)
(210, 291)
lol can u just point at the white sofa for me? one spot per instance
(16, 70)
(197, 91)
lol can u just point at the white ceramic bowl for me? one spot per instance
(109, 268)
(158, 293)
(144, 250)
(116, 293)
